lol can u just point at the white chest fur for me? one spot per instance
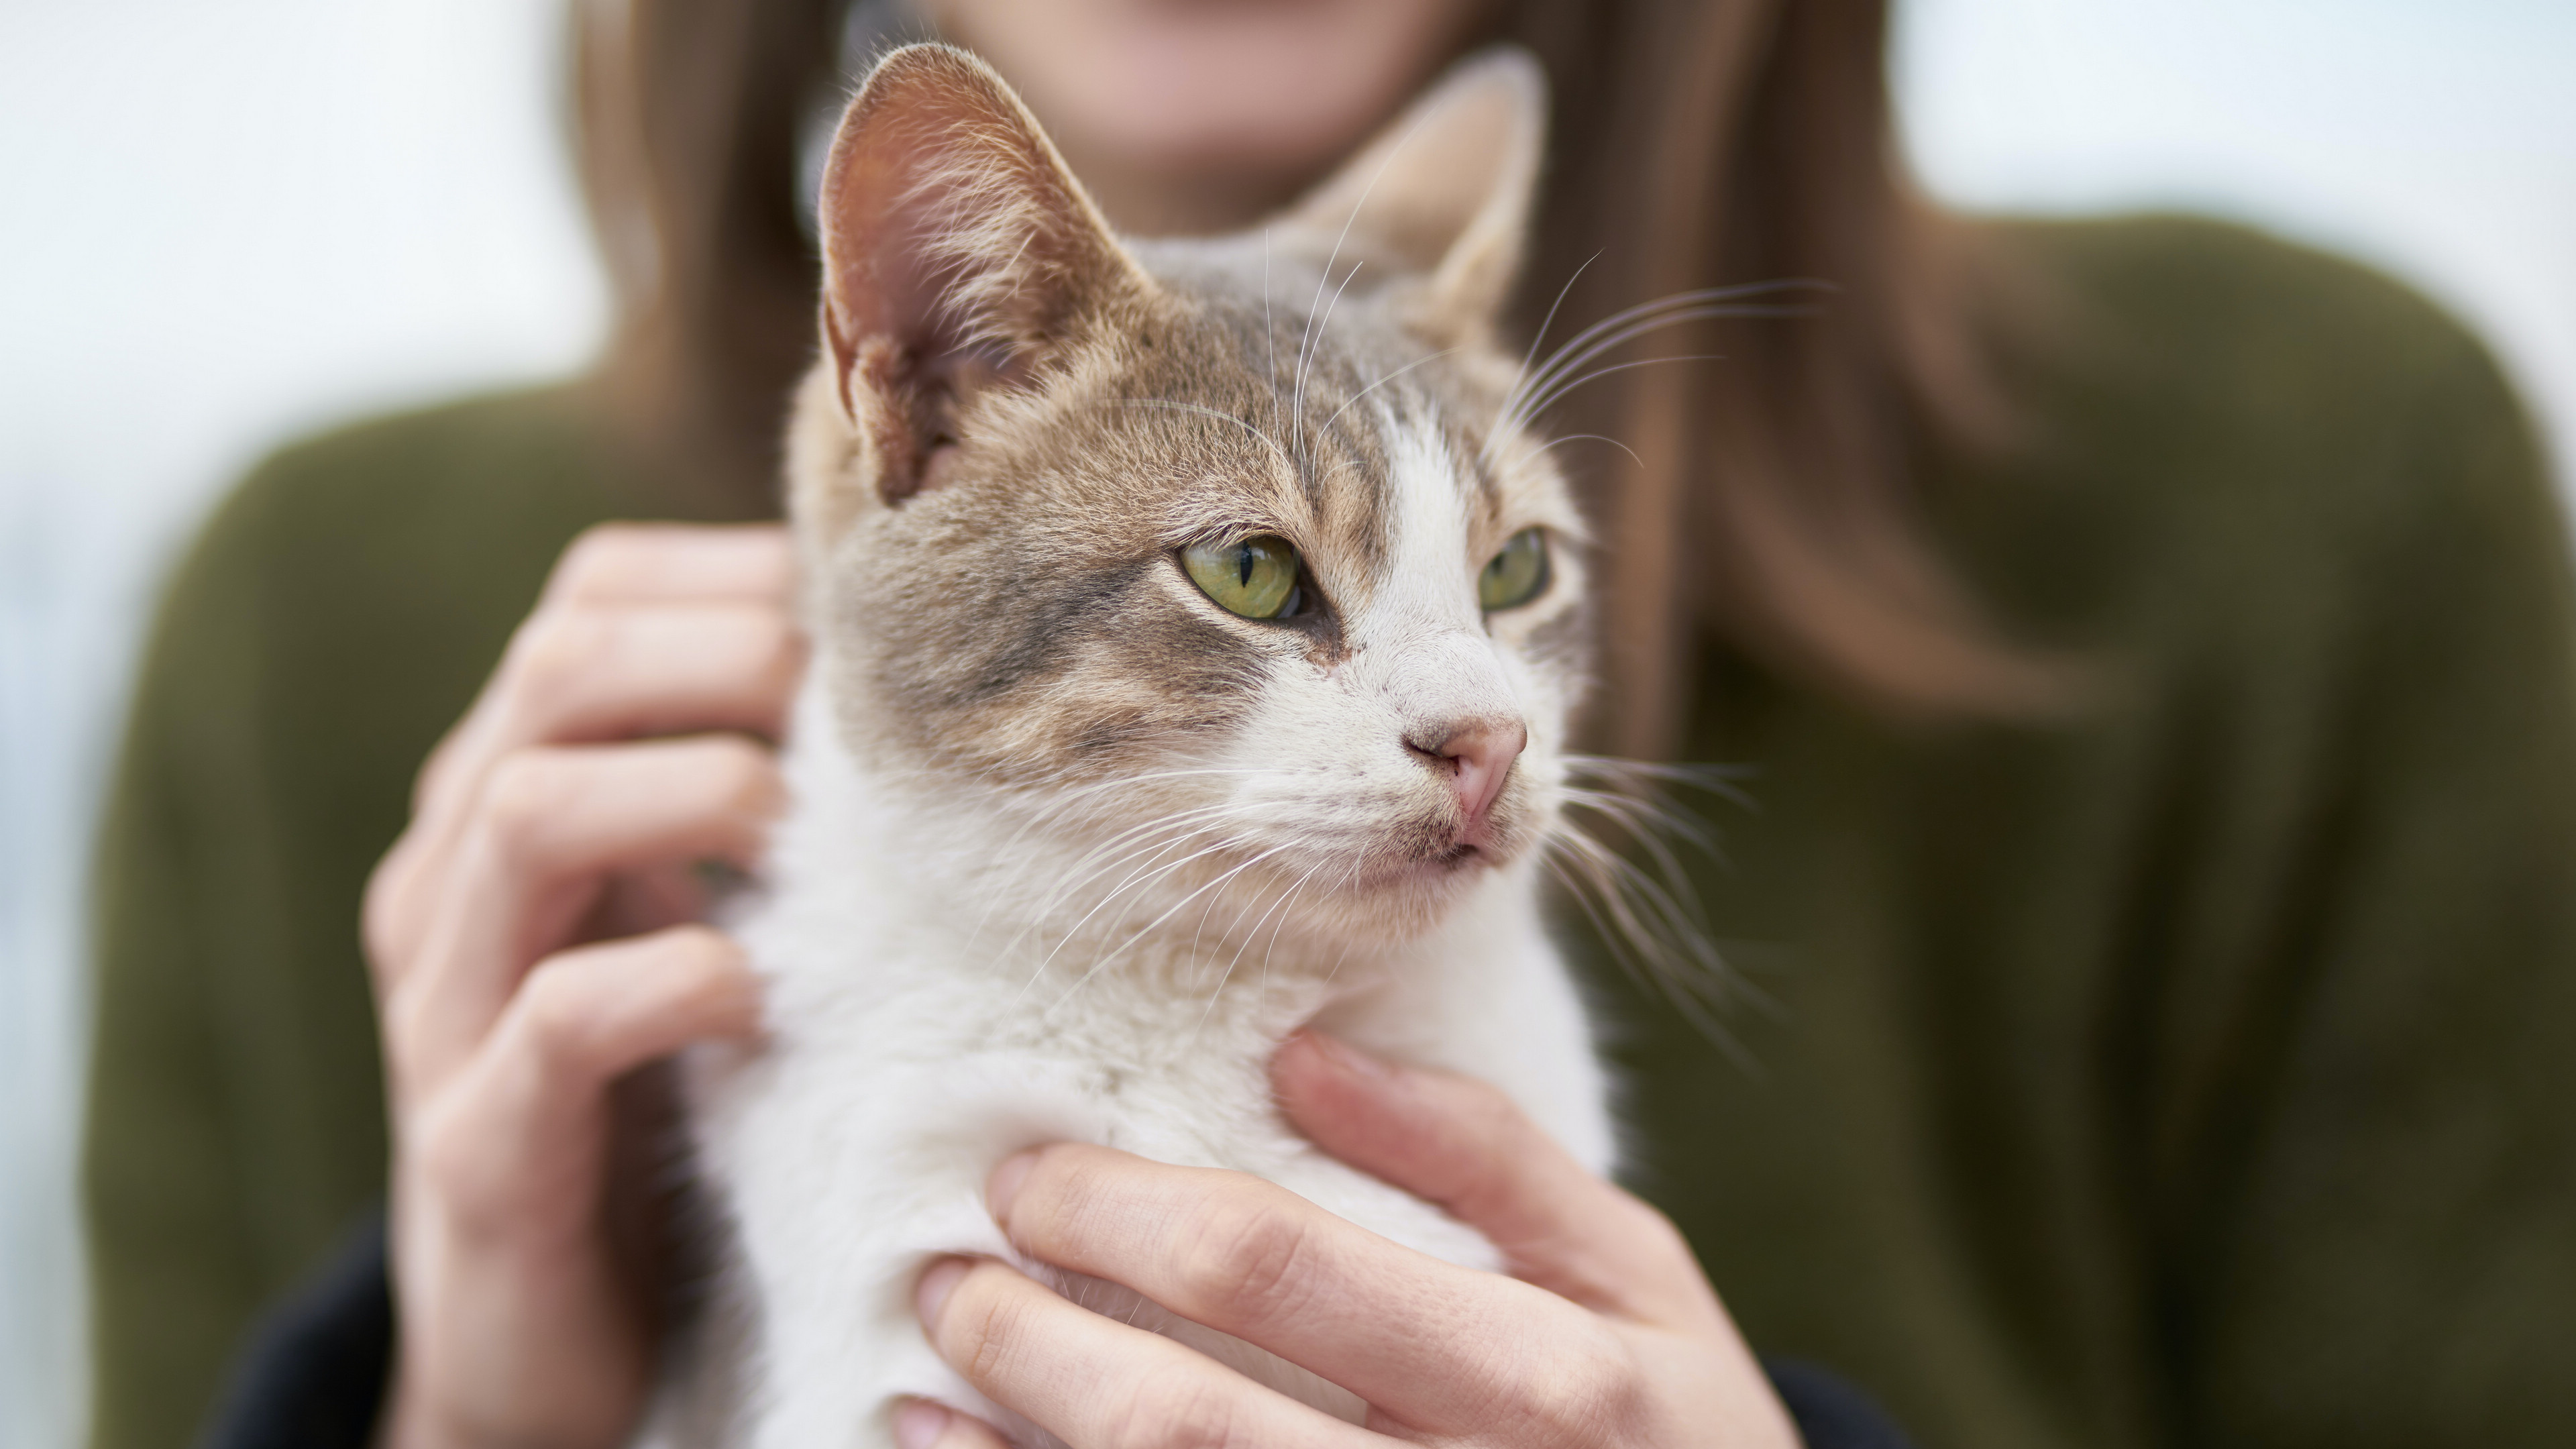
(915, 1044)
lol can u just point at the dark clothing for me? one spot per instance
(314, 1374)
(2196, 1071)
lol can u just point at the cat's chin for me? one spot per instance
(1417, 890)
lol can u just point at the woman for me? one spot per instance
(2155, 644)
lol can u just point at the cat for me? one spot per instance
(1189, 667)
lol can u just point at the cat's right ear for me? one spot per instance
(956, 249)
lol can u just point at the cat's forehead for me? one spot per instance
(1318, 418)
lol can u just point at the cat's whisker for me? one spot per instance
(1540, 337)
(1083, 868)
(1381, 382)
(1306, 361)
(1557, 394)
(1122, 947)
(1645, 311)
(1533, 391)
(1649, 919)
(1155, 402)
(1694, 987)
(1151, 851)
(1278, 906)
(1075, 932)
(1590, 438)
(1306, 343)
(1551, 385)
(1269, 327)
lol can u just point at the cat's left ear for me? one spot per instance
(1446, 190)
(957, 251)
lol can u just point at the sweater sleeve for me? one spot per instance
(2365, 1152)
(232, 1120)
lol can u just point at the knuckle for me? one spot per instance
(557, 1015)
(1648, 1224)
(1172, 1408)
(599, 561)
(747, 777)
(984, 1327)
(451, 1151)
(554, 649)
(1588, 1396)
(525, 790)
(702, 947)
(1247, 1253)
(1491, 1118)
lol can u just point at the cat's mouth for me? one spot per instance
(1457, 857)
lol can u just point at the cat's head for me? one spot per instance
(1217, 560)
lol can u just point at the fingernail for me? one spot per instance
(935, 1287)
(918, 1423)
(1349, 1058)
(1004, 1184)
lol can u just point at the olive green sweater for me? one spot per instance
(2199, 1072)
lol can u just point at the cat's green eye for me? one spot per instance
(1517, 574)
(1255, 577)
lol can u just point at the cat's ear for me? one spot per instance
(956, 249)
(1447, 189)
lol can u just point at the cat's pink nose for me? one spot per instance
(1479, 758)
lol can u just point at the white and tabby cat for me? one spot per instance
(1189, 666)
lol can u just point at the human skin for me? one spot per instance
(533, 939)
(1196, 117)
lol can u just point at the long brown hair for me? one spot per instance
(1763, 499)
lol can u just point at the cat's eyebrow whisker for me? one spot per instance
(1557, 394)
(1534, 392)
(1553, 383)
(1540, 337)
(1269, 328)
(1336, 255)
(1207, 412)
(1583, 349)
(1306, 358)
(1695, 297)
(1590, 438)
(1381, 382)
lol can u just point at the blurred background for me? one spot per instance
(221, 226)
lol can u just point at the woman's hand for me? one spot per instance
(531, 940)
(1606, 1333)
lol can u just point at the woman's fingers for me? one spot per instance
(1431, 1344)
(920, 1424)
(667, 562)
(579, 673)
(498, 1213)
(515, 1146)
(615, 568)
(1462, 1144)
(553, 824)
(1097, 1383)
(643, 630)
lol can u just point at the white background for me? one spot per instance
(223, 224)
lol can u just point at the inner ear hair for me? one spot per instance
(956, 248)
